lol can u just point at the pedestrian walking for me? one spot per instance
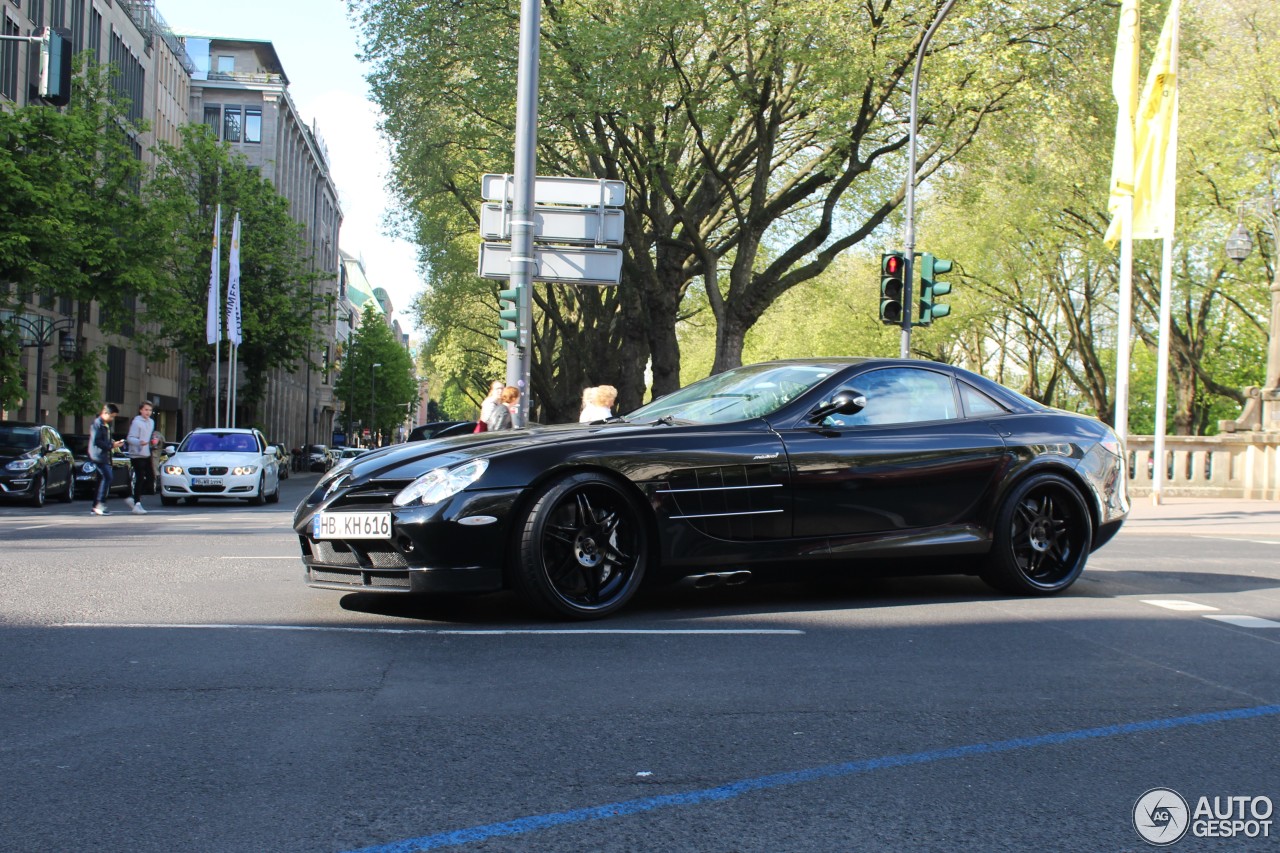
(100, 449)
(502, 415)
(138, 441)
(597, 404)
(488, 404)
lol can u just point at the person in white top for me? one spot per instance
(486, 406)
(141, 432)
(597, 404)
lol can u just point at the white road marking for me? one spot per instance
(449, 631)
(1175, 604)
(35, 527)
(290, 557)
(1245, 621)
(1240, 539)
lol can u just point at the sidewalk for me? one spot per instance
(1205, 516)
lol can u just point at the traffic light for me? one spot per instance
(509, 312)
(931, 288)
(893, 277)
(55, 65)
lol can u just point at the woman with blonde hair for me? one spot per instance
(599, 405)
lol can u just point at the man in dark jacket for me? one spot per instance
(100, 449)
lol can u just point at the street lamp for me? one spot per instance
(1238, 246)
(373, 385)
(37, 331)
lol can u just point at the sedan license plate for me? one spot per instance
(206, 481)
(351, 525)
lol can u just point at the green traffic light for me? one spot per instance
(931, 288)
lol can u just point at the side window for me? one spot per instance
(901, 395)
(978, 404)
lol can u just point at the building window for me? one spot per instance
(231, 124)
(213, 118)
(115, 374)
(252, 124)
(226, 64)
(57, 13)
(9, 62)
(95, 31)
(35, 11)
(77, 25)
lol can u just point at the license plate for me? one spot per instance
(351, 525)
(206, 481)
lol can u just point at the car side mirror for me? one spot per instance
(170, 449)
(846, 401)
(271, 450)
(49, 448)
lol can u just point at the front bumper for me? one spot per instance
(429, 550)
(16, 487)
(232, 486)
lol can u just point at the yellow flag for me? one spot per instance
(1124, 87)
(1156, 138)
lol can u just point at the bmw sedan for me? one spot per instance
(221, 463)
(855, 465)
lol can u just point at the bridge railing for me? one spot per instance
(1239, 465)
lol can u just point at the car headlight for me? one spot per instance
(22, 464)
(244, 470)
(173, 470)
(88, 467)
(440, 484)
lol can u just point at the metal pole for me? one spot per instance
(1124, 323)
(40, 342)
(373, 385)
(908, 299)
(523, 261)
(1271, 384)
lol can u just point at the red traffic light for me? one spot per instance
(893, 265)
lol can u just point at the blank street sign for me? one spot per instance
(588, 192)
(558, 224)
(556, 263)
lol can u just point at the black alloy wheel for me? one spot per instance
(583, 548)
(38, 493)
(132, 481)
(1042, 538)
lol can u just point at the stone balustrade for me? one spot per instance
(1238, 465)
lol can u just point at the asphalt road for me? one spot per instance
(167, 682)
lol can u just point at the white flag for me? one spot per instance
(233, 285)
(213, 314)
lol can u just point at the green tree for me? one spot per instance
(378, 383)
(72, 222)
(278, 300)
(758, 141)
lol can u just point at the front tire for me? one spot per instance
(259, 499)
(38, 493)
(582, 549)
(1042, 538)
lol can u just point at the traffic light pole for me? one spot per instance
(523, 261)
(908, 298)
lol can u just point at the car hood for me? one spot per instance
(213, 458)
(413, 459)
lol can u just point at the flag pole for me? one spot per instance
(1162, 368)
(213, 311)
(1124, 324)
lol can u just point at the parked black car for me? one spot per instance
(85, 478)
(34, 463)
(857, 465)
(318, 457)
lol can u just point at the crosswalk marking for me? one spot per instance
(1176, 604)
(1245, 621)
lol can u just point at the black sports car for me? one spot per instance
(862, 464)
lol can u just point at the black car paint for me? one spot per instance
(85, 483)
(799, 492)
(52, 471)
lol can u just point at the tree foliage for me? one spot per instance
(758, 141)
(278, 302)
(377, 383)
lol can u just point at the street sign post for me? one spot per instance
(587, 226)
(568, 264)
(587, 192)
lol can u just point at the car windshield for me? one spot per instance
(18, 439)
(219, 442)
(735, 395)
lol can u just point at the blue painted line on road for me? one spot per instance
(525, 825)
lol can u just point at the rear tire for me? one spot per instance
(582, 549)
(68, 494)
(1042, 538)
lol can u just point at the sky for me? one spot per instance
(317, 47)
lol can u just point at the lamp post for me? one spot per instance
(373, 386)
(1239, 245)
(37, 331)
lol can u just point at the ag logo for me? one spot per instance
(1161, 816)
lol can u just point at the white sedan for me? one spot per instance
(221, 463)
